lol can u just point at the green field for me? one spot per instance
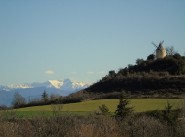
(140, 105)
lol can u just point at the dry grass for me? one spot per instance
(87, 126)
(136, 125)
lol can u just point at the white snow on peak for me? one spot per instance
(56, 83)
(18, 86)
(35, 90)
(65, 84)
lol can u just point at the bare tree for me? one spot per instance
(170, 51)
(18, 100)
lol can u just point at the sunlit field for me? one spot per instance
(86, 107)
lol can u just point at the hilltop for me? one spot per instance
(164, 77)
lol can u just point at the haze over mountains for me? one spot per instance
(35, 90)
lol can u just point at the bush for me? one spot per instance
(104, 110)
(89, 126)
(142, 126)
(123, 108)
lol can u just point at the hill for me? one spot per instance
(164, 77)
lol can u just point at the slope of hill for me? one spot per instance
(161, 76)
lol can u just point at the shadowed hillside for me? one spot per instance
(161, 76)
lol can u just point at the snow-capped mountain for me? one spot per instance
(66, 84)
(15, 86)
(35, 90)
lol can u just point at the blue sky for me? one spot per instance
(83, 39)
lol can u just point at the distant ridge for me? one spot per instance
(35, 90)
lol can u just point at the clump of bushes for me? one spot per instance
(91, 126)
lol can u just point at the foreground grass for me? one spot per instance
(86, 107)
(63, 124)
(90, 126)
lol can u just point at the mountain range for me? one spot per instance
(35, 90)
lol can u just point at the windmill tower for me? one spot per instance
(160, 50)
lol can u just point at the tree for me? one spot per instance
(45, 96)
(112, 73)
(183, 109)
(170, 51)
(177, 56)
(3, 107)
(151, 57)
(53, 97)
(18, 100)
(123, 109)
(139, 61)
(169, 116)
(104, 110)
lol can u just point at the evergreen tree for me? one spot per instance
(45, 96)
(139, 61)
(169, 116)
(112, 73)
(151, 57)
(123, 109)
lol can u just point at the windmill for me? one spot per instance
(160, 50)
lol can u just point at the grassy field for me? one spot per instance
(140, 105)
(43, 121)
